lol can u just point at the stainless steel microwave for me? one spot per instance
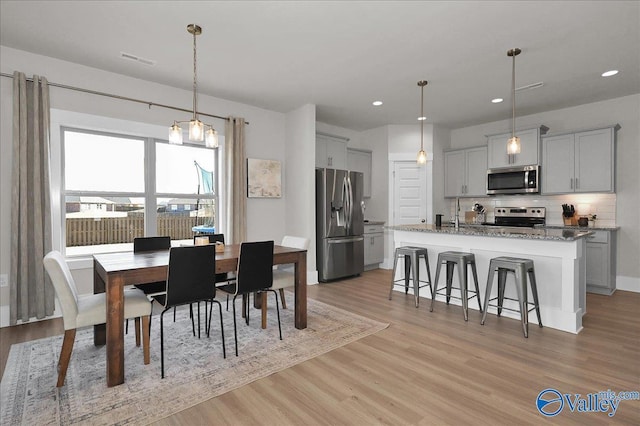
(513, 180)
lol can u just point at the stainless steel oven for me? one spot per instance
(513, 180)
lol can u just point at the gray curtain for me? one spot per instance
(236, 182)
(31, 292)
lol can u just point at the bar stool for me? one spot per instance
(412, 256)
(520, 268)
(462, 259)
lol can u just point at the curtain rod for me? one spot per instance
(124, 98)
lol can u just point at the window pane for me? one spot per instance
(178, 217)
(95, 162)
(92, 220)
(176, 172)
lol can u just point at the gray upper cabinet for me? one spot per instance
(465, 172)
(360, 161)
(579, 162)
(529, 152)
(331, 152)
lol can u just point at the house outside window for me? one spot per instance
(116, 187)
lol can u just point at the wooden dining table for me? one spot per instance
(112, 272)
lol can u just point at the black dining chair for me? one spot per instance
(190, 274)
(254, 275)
(142, 244)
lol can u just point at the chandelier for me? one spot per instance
(198, 131)
(422, 155)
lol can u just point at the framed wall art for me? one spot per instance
(264, 178)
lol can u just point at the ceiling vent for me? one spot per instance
(530, 86)
(130, 57)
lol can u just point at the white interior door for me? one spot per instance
(409, 193)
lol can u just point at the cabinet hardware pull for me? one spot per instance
(577, 184)
(571, 183)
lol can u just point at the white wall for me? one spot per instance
(299, 192)
(266, 135)
(624, 111)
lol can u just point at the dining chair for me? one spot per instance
(254, 275)
(189, 280)
(142, 244)
(85, 310)
(284, 275)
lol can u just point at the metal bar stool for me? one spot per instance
(520, 268)
(462, 259)
(412, 256)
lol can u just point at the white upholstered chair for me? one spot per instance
(284, 275)
(85, 310)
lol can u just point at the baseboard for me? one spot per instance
(628, 283)
(5, 319)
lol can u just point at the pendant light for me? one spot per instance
(422, 155)
(198, 131)
(513, 145)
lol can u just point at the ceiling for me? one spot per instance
(342, 56)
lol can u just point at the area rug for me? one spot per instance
(195, 370)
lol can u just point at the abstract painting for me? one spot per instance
(264, 178)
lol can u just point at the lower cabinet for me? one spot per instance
(601, 262)
(373, 246)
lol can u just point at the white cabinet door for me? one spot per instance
(558, 164)
(476, 172)
(331, 152)
(594, 161)
(373, 248)
(598, 267)
(360, 161)
(529, 149)
(454, 169)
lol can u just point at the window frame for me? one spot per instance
(62, 121)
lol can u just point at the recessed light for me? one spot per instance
(377, 103)
(422, 118)
(609, 73)
(497, 100)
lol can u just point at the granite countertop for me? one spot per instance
(374, 222)
(582, 228)
(546, 233)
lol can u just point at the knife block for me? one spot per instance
(570, 221)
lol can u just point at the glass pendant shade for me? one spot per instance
(513, 146)
(175, 134)
(211, 138)
(422, 157)
(196, 130)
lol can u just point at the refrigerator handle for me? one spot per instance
(350, 207)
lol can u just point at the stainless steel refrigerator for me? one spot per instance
(339, 224)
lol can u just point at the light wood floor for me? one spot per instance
(430, 367)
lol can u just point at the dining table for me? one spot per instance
(112, 272)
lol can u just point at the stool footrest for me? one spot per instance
(439, 293)
(510, 309)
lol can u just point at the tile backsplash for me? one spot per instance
(602, 205)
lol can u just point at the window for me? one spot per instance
(117, 187)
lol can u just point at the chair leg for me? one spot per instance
(137, 324)
(462, 276)
(534, 290)
(162, 344)
(475, 280)
(224, 346)
(393, 276)
(198, 307)
(146, 326)
(407, 273)
(487, 294)
(282, 299)
(263, 308)
(126, 326)
(434, 288)
(65, 355)
(235, 326)
(193, 325)
(278, 312)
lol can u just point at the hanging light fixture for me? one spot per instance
(513, 145)
(198, 130)
(422, 155)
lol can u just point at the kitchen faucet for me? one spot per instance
(457, 220)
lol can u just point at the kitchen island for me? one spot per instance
(559, 256)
